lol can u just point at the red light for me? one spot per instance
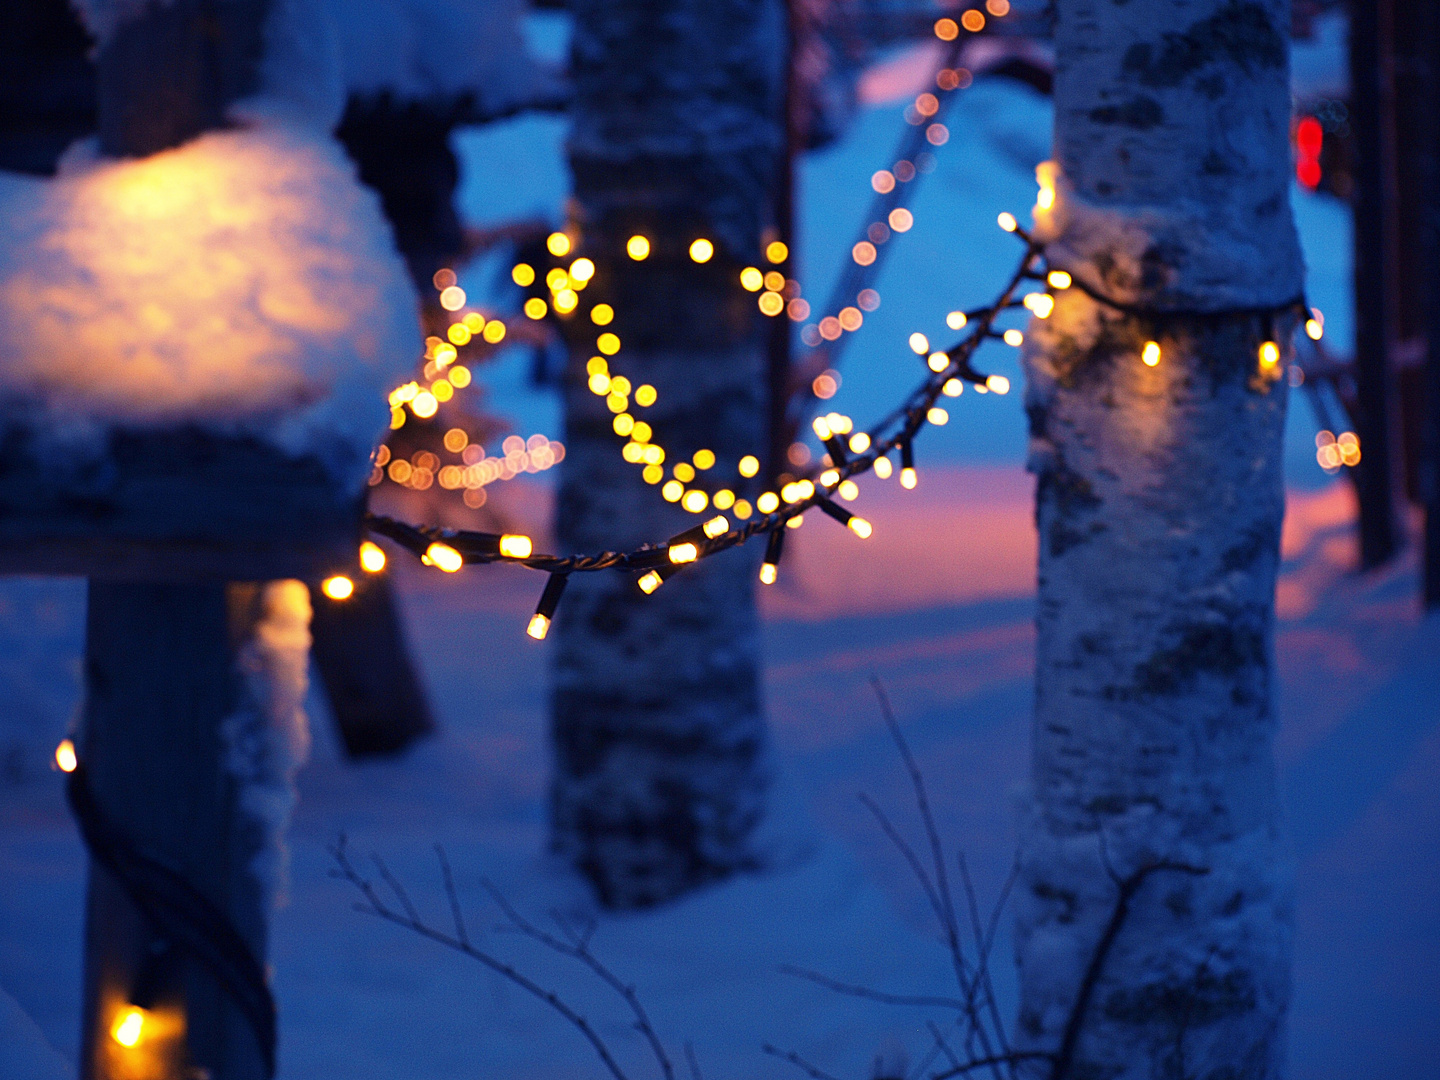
(1308, 137)
(1308, 173)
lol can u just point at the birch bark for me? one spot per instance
(658, 729)
(1159, 504)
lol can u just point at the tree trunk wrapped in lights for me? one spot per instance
(658, 728)
(1155, 918)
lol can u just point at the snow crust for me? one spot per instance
(24, 1052)
(267, 739)
(245, 280)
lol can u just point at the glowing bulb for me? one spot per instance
(452, 298)
(338, 587)
(749, 465)
(1042, 304)
(771, 303)
(919, 343)
(768, 573)
(1269, 354)
(938, 362)
(768, 502)
(523, 274)
(582, 270)
(607, 343)
(599, 384)
(623, 424)
(425, 404)
(1150, 354)
(1046, 199)
(859, 442)
(683, 553)
(444, 556)
(724, 499)
(539, 626)
(1007, 222)
(566, 300)
(702, 250)
(1059, 279)
(908, 479)
(829, 478)
(372, 557)
(849, 490)
(672, 491)
(822, 428)
(1013, 337)
(494, 332)
(558, 244)
(129, 1027)
(695, 500)
(997, 384)
(619, 384)
(516, 546)
(65, 757)
(1314, 329)
(719, 525)
(751, 279)
(776, 252)
(953, 388)
(650, 581)
(652, 474)
(684, 472)
(938, 416)
(860, 527)
(883, 468)
(535, 308)
(637, 247)
(956, 320)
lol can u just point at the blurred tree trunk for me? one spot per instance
(658, 730)
(1159, 503)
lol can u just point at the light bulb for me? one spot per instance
(338, 587)
(516, 546)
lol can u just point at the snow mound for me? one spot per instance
(244, 280)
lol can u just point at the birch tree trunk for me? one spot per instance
(657, 720)
(1159, 505)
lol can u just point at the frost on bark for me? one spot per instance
(1159, 504)
(658, 728)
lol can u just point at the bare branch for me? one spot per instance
(907, 852)
(693, 1061)
(799, 1062)
(452, 896)
(377, 907)
(941, 1045)
(395, 887)
(982, 969)
(874, 995)
(1012, 1058)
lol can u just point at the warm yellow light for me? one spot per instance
(1007, 222)
(637, 247)
(683, 553)
(937, 362)
(900, 219)
(442, 390)
(623, 424)
(556, 279)
(771, 303)
(860, 527)
(751, 279)
(998, 8)
(494, 332)
(956, 320)
(642, 432)
(702, 250)
(459, 376)
(650, 581)
(523, 274)
(616, 402)
(1269, 353)
(1150, 354)
(849, 490)
(839, 423)
(425, 404)
(599, 383)
(558, 244)
(672, 491)
(1013, 337)
(1042, 304)
(1046, 198)
(719, 525)
(397, 419)
(607, 343)
(919, 343)
(997, 384)
(743, 509)
(444, 556)
(703, 459)
(516, 546)
(821, 427)
(582, 270)
(863, 253)
(338, 587)
(372, 557)
(973, 21)
(539, 626)
(695, 500)
(776, 252)
(749, 465)
(129, 1027)
(633, 452)
(829, 478)
(535, 308)
(597, 365)
(775, 281)
(684, 472)
(859, 442)
(459, 333)
(768, 503)
(953, 388)
(652, 454)
(883, 468)
(724, 499)
(908, 479)
(602, 314)
(1314, 329)
(768, 573)
(65, 758)
(946, 29)
(645, 395)
(795, 522)
(566, 300)
(937, 416)
(652, 474)
(1059, 279)
(452, 298)
(883, 181)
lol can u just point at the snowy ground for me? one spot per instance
(951, 638)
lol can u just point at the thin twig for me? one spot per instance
(374, 905)
(1012, 1058)
(874, 995)
(799, 1062)
(693, 1061)
(982, 969)
(941, 1045)
(452, 896)
(580, 951)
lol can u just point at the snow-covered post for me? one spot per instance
(657, 720)
(1155, 915)
(195, 345)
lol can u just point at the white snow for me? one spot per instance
(244, 280)
(267, 738)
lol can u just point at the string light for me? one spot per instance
(545, 609)
(372, 557)
(129, 1027)
(638, 248)
(1150, 354)
(702, 250)
(338, 587)
(66, 759)
(444, 557)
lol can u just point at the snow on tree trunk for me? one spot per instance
(1159, 504)
(657, 720)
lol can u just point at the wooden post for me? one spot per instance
(1375, 273)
